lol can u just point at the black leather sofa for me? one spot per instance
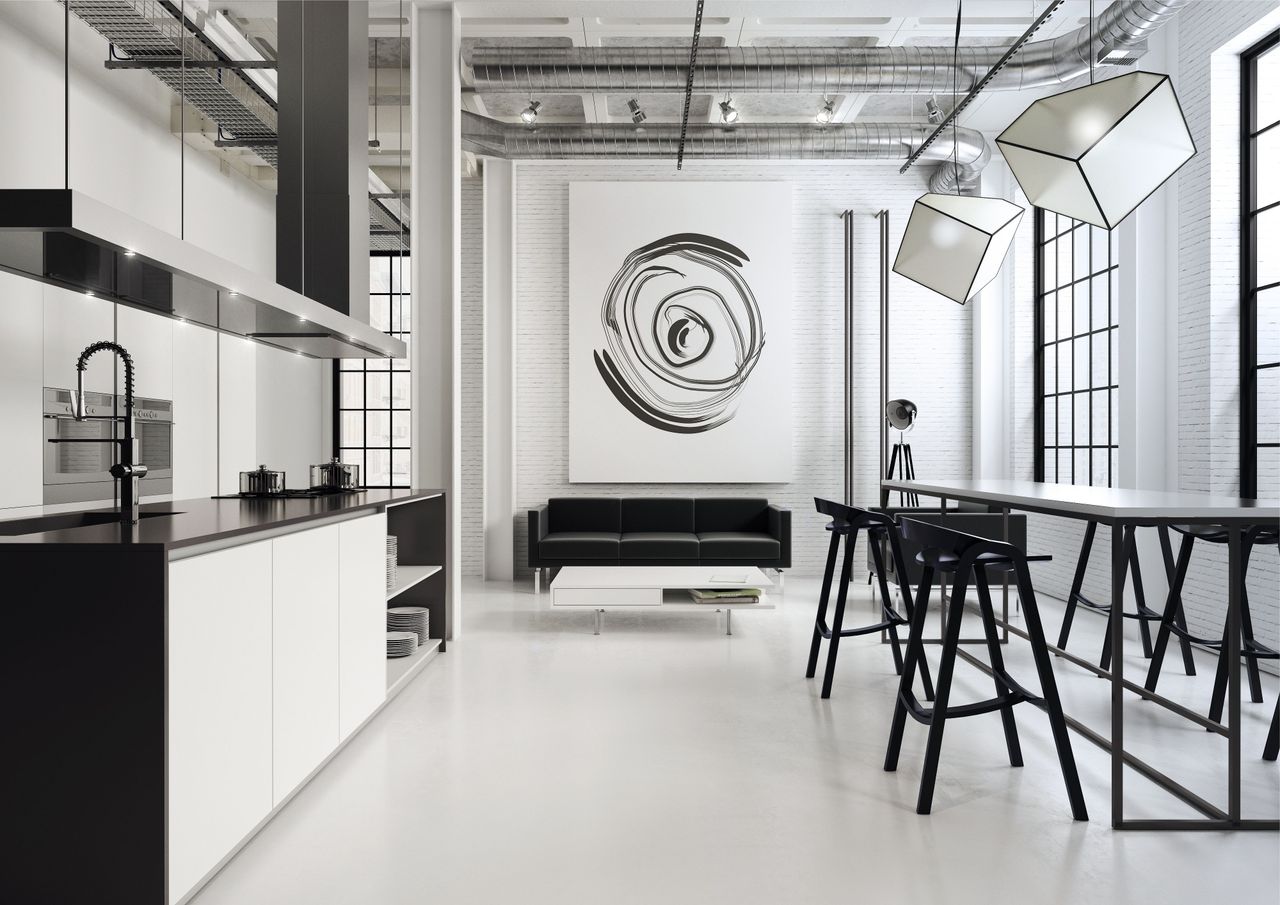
(659, 531)
(968, 517)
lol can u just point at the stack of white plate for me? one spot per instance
(408, 619)
(401, 644)
(393, 555)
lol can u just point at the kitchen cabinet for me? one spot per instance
(219, 708)
(237, 411)
(73, 320)
(304, 616)
(195, 411)
(362, 625)
(21, 403)
(149, 339)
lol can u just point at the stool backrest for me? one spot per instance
(851, 516)
(937, 537)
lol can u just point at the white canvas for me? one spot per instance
(680, 332)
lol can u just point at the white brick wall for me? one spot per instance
(931, 338)
(472, 501)
(1209, 304)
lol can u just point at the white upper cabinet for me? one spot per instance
(73, 320)
(149, 339)
(21, 402)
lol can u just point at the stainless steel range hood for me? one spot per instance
(66, 238)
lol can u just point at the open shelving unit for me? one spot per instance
(408, 576)
(402, 669)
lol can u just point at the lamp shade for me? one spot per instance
(955, 244)
(1095, 153)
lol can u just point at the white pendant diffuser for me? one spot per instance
(1096, 153)
(955, 244)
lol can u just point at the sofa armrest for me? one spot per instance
(780, 530)
(537, 531)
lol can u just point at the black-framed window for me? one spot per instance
(1076, 332)
(1260, 269)
(372, 412)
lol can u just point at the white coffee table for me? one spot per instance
(663, 588)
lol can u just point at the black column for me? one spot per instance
(313, 202)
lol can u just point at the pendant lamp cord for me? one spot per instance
(955, 74)
(1092, 54)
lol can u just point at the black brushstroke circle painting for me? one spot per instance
(682, 333)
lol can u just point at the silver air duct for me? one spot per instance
(850, 141)
(812, 70)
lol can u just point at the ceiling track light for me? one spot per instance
(728, 112)
(934, 111)
(529, 115)
(637, 115)
(827, 112)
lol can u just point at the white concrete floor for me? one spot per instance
(663, 762)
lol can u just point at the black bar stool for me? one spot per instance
(1144, 613)
(1250, 649)
(1273, 737)
(846, 522)
(969, 557)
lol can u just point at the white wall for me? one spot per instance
(930, 338)
(471, 503)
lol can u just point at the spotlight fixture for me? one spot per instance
(637, 115)
(529, 115)
(901, 414)
(934, 111)
(826, 112)
(728, 112)
(129, 253)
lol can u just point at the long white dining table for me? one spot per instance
(1123, 509)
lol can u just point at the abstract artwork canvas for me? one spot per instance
(679, 332)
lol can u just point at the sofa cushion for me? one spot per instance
(580, 545)
(584, 514)
(657, 514)
(660, 545)
(731, 514)
(745, 545)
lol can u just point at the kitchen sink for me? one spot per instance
(69, 520)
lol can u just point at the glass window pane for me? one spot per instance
(352, 457)
(380, 312)
(400, 389)
(378, 428)
(400, 314)
(1064, 466)
(379, 390)
(351, 432)
(1269, 472)
(400, 467)
(400, 270)
(1268, 227)
(379, 274)
(1267, 148)
(401, 364)
(1065, 315)
(1099, 458)
(1048, 310)
(1269, 325)
(351, 364)
(352, 390)
(379, 467)
(1066, 353)
(1064, 261)
(1098, 343)
(1269, 405)
(1050, 368)
(1268, 88)
(400, 427)
(1099, 301)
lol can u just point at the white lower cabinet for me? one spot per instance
(362, 623)
(304, 617)
(219, 706)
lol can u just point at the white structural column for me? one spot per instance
(499, 372)
(436, 209)
(992, 311)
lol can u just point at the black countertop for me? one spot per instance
(203, 520)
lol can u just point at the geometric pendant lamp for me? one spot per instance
(955, 244)
(1095, 153)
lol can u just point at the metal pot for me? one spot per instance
(263, 480)
(335, 475)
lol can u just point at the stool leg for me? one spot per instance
(1273, 737)
(938, 721)
(904, 585)
(819, 623)
(1077, 582)
(997, 666)
(1049, 691)
(1127, 553)
(914, 655)
(833, 646)
(1246, 632)
(1179, 618)
(1219, 696)
(1139, 594)
(886, 605)
(1173, 605)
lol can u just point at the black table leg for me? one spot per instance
(1118, 564)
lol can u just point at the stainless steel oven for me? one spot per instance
(79, 472)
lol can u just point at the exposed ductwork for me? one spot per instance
(1124, 25)
(851, 141)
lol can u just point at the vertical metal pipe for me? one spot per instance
(847, 217)
(1115, 629)
(883, 217)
